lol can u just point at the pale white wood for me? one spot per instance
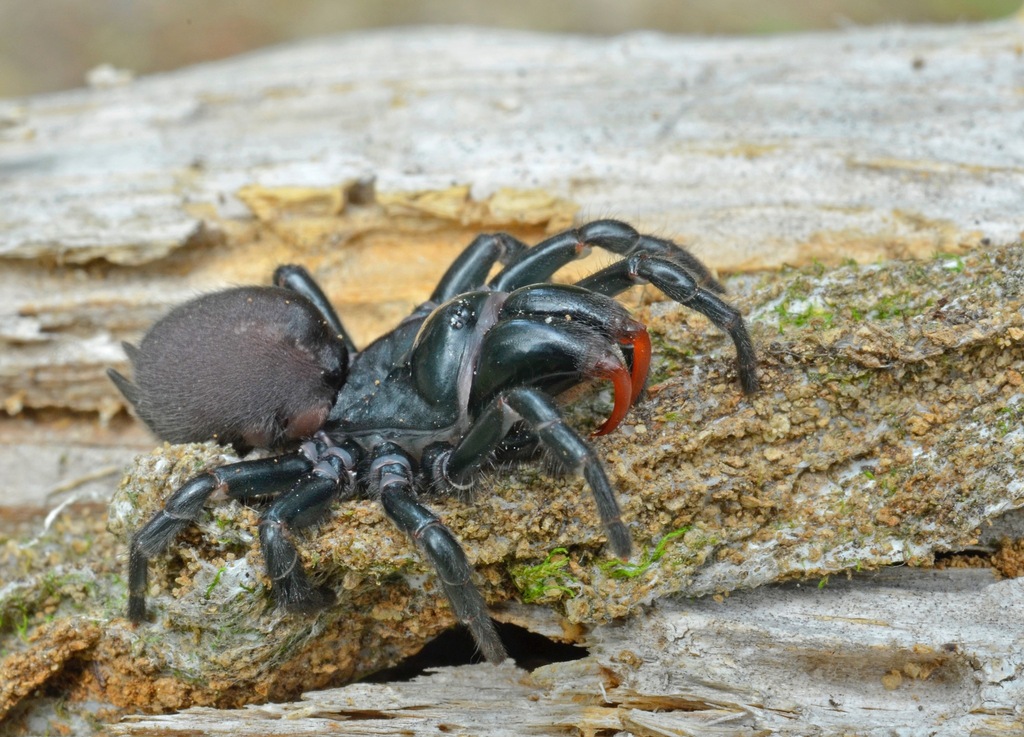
(755, 149)
(904, 652)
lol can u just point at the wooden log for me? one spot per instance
(888, 430)
(875, 654)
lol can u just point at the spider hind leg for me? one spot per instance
(392, 482)
(242, 480)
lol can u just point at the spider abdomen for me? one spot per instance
(251, 366)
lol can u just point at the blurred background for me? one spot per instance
(48, 45)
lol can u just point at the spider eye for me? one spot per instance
(461, 315)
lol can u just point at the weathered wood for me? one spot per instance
(893, 652)
(753, 149)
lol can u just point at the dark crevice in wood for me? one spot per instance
(455, 646)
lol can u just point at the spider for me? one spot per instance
(467, 381)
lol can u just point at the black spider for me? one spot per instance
(466, 381)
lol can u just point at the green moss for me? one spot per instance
(670, 358)
(21, 626)
(214, 582)
(892, 305)
(799, 318)
(1009, 418)
(950, 262)
(550, 580)
(623, 569)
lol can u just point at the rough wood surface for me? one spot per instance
(905, 652)
(888, 431)
(754, 149)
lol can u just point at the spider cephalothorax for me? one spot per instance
(464, 382)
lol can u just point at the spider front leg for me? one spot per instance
(681, 285)
(242, 480)
(470, 268)
(539, 263)
(392, 482)
(458, 465)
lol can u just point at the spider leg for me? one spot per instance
(544, 419)
(305, 504)
(296, 278)
(243, 480)
(678, 283)
(539, 263)
(391, 480)
(469, 270)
